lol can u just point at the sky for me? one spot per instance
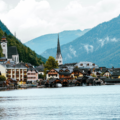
(33, 18)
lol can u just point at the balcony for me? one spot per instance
(76, 74)
(25, 76)
(9, 76)
(8, 71)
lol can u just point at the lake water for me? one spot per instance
(72, 103)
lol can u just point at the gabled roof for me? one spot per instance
(40, 68)
(64, 73)
(10, 66)
(32, 69)
(12, 51)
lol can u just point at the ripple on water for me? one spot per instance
(75, 103)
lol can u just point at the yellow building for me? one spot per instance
(18, 72)
(3, 70)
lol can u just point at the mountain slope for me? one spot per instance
(25, 53)
(5, 29)
(44, 42)
(100, 45)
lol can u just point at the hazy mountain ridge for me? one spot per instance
(100, 45)
(42, 43)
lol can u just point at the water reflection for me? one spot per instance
(89, 103)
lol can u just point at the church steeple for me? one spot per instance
(58, 46)
(59, 55)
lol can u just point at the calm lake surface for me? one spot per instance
(72, 103)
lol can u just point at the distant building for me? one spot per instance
(10, 53)
(87, 65)
(59, 55)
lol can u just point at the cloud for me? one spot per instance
(3, 6)
(31, 18)
(107, 40)
(88, 48)
(72, 51)
(69, 56)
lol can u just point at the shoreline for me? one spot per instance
(40, 87)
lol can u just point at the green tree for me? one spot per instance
(93, 75)
(41, 76)
(50, 64)
(25, 53)
(102, 74)
(2, 78)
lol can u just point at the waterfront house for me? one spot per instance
(17, 72)
(53, 73)
(77, 72)
(107, 73)
(65, 74)
(32, 75)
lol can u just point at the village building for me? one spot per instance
(3, 70)
(77, 72)
(17, 72)
(87, 65)
(59, 55)
(32, 75)
(53, 73)
(10, 53)
(40, 69)
(107, 74)
(65, 74)
(68, 65)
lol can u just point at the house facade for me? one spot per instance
(17, 72)
(53, 73)
(32, 75)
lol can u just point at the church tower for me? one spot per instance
(59, 55)
(4, 46)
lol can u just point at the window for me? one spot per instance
(87, 64)
(59, 61)
(3, 45)
(81, 64)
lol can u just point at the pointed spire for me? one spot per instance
(58, 46)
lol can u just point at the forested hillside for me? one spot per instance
(25, 53)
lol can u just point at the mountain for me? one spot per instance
(100, 45)
(42, 43)
(25, 53)
(4, 28)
